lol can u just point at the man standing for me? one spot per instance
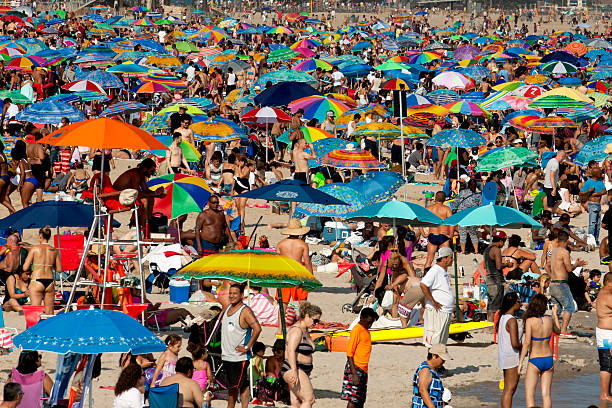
(176, 158)
(300, 161)
(495, 276)
(594, 188)
(551, 178)
(175, 120)
(185, 131)
(190, 394)
(239, 331)
(427, 384)
(559, 289)
(355, 381)
(438, 236)
(603, 333)
(338, 80)
(438, 291)
(211, 227)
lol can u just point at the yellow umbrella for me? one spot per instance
(164, 61)
(191, 109)
(214, 132)
(342, 98)
(432, 109)
(232, 96)
(567, 92)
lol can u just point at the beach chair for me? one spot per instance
(32, 314)
(489, 193)
(32, 387)
(71, 251)
(164, 397)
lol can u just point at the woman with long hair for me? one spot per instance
(26, 182)
(509, 345)
(17, 290)
(297, 367)
(44, 260)
(29, 363)
(538, 331)
(5, 181)
(241, 185)
(130, 387)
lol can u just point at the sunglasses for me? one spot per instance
(315, 321)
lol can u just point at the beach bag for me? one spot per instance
(387, 300)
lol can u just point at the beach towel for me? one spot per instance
(267, 312)
(6, 340)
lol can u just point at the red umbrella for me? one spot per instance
(265, 115)
(83, 85)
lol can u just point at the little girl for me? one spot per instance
(166, 363)
(78, 180)
(202, 374)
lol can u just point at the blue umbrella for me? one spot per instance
(493, 216)
(50, 112)
(292, 190)
(397, 212)
(362, 45)
(443, 96)
(68, 98)
(377, 185)
(52, 213)
(90, 332)
(124, 107)
(283, 93)
(457, 138)
(416, 99)
(151, 45)
(107, 80)
(340, 191)
(593, 150)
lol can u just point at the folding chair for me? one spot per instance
(71, 252)
(32, 314)
(164, 397)
(32, 387)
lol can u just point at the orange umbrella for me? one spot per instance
(103, 133)
(576, 48)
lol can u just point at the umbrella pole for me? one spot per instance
(250, 365)
(266, 146)
(281, 309)
(512, 190)
(457, 311)
(457, 175)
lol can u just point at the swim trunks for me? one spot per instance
(437, 239)
(354, 393)
(604, 344)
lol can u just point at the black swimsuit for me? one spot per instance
(305, 349)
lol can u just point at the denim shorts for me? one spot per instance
(561, 294)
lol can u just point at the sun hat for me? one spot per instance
(444, 252)
(295, 228)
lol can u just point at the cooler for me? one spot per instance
(179, 290)
(336, 231)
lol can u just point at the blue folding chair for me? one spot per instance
(489, 193)
(164, 397)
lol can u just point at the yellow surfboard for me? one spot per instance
(415, 332)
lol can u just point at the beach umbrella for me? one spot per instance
(507, 156)
(580, 114)
(377, 186)
(312, 64)
(576, 48)
(457, 138)
(559, 68)
(158, 123)
(214, 132)
(123, 108)
(190, 152)
(184, 194)
(593, 150)
(340, 191)
(276, 77)
(317, 106)
(443, 96)
(466, 108)
(128, 68)
(416, 99)
(191, 109)
(311, 134)
(167, 79)
(395, 212)
(198, 101)
(293, 191)
(466, 52)
(90, 331)
(383, 130)
(325, 145)
(453, 80)
(282, 94)
(350, 159)
(15, 96)
(103, 133)
(151, 87)
(554, 101)
(493, 216)
(83, 85)
(52, 213)
(107, 80)
(547, 124)
(22, 63)
(265, 115)
(50, 112)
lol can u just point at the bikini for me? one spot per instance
(542, 363)
(305, 349)
(517, 272)
(227, 188)
(31, 180)
(46, 282)
(201, 377)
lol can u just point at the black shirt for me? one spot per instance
(176, 119)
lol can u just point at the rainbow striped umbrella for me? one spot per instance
(306, 43)
(311, 65)
(21, 63)
(424, 57)
(317, 106)
(260, 268)
(279, 30)
(165, 79)
(151, 87)
(189, 151)
(311, 134)
(213, 35)
(467, 108)
(548, 124)
(143, 22)
(184, 194)
(351, 159)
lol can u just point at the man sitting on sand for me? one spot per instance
(603, 333)
(439, 236)
(190, 394)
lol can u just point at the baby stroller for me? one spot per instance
(363, 282)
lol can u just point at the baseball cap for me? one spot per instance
(444, 252)
(500, 234)
(441, 351)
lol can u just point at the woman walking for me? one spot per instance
(538, 331)
(509, 345)
(44, 260)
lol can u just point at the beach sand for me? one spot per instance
(392, 365)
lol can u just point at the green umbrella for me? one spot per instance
(505, 157)
(16, 97)
(184, 46)
(397, 213)
(555, 101)
(164, 21)
(60, 13)
(104, 25)
(281, 54)
(391, 65)
(189, 151)
(492, 215)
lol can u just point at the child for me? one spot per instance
(77, 183)
(274, 363)
(259, 349)
(270, 388)
(202, 374)
(166, 363)
(593, 286)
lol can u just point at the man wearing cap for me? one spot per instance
(495, 277)
(426, 384)
(175, 120)
(295, 248)
(185, 130)
(438, 291)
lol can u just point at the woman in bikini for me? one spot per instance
(241, 185)
(227, 175)
(44, 260)
(5, 181)
(538, 330)
(26, 182)
(298, 364)
(519, 260)
(17, 290)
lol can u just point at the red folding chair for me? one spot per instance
(32, 314)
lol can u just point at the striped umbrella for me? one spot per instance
(559, 68)
(340, 191)
(265, 116)
(548, 124)
(128, 68)
(396, 84)
(443, 96)
(311, 134)
(198, 101)
(317, 106)
(416, 99)
(453, 80)
(528, 91)
(503, 157)
(22, 63)
(189, 151)
(576, 48)
(306, 43)
(311, 65)
(151, 87)
(554, 101)
(593, 150)
(214, 132)
(123, 108)
(381, 130)
(351, 159)
(83, 85)
(580, 113)
(390, 45)
(50, 112)
(467, 108)
(165, 79)
(281, 54)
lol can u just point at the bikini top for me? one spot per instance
(540, 338)
(305, 348)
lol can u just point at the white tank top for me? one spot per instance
(507, 356)
(233, 335)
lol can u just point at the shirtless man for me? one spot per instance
(176, 159)
(300, 161)
(137, 179)
(12, 257)
(190, 394)
(603, 333)
(185, 131)
(401, 271)
(295, 248)
(559, 289)
(438, 236)
(36, 157)
(210, 228)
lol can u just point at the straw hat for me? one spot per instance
(295, 228)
